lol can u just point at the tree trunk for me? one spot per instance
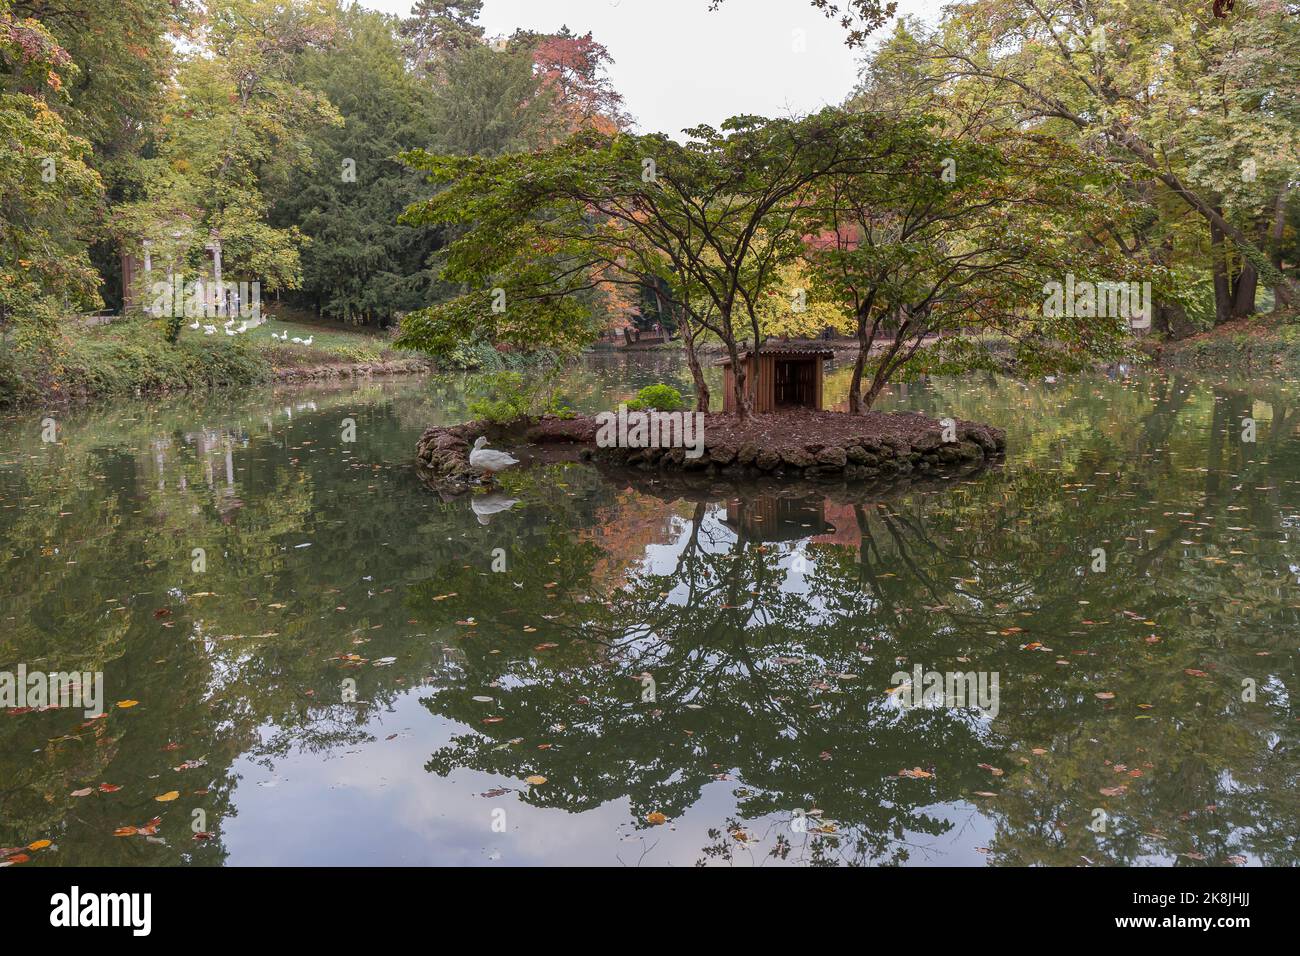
(864, 350)
(855, 383)
(702, 396)
(1243, 291)
(740, 392)
(1280, 298)
(1222, 288)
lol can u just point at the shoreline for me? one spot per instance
(301, 374)
(287, 375)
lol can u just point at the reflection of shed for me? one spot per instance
(788, 376)
(776, 518)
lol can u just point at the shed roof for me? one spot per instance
(785, 350)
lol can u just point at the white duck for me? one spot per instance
(488, 460)
(295, 339)
(307, 340)
(209, 330)
(194, 325)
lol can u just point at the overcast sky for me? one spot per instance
(678, 65)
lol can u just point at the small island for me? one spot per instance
(876, 447)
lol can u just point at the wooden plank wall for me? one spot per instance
(762, 388)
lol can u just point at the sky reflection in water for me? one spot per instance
(770, 683)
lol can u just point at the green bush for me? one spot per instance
(111, 365)
(660, 398)
(15, 385)
(504, 396)
(499, 397)
(126, 358)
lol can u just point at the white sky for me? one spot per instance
(678, 65)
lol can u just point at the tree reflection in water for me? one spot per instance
(770, 619)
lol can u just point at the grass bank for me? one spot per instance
(1261, 343)
(131, 356)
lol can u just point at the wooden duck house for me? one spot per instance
(785, 376)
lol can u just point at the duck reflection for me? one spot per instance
(486, 507)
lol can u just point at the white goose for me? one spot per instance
(307, 340)
(488, 460)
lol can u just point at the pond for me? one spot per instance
(310, 658)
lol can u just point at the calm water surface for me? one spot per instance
(1145, 712)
